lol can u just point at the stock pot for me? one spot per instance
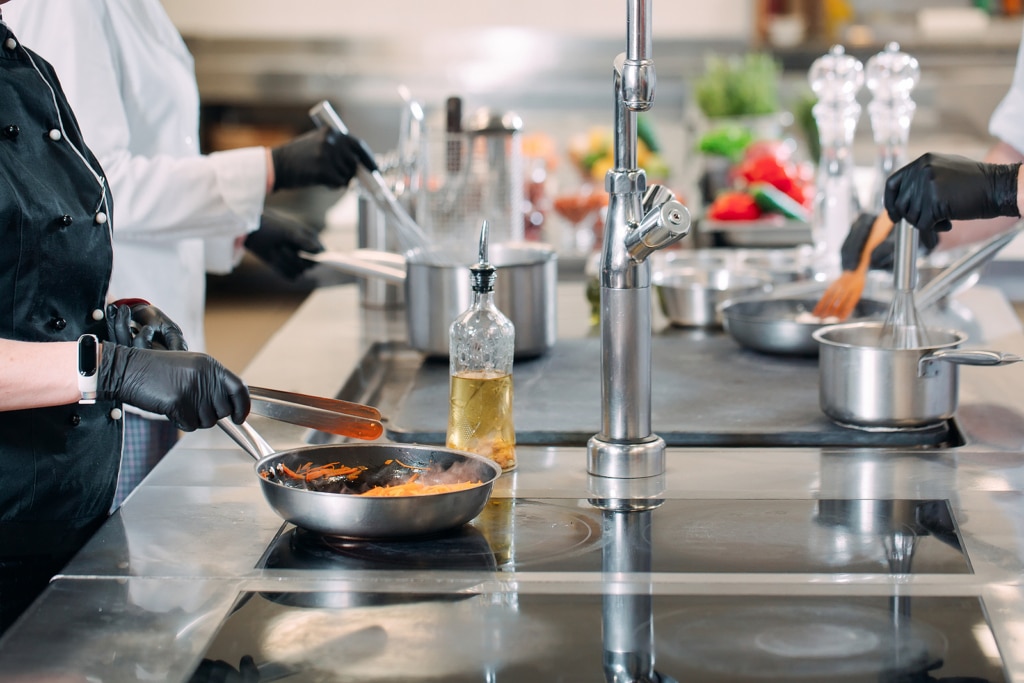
(438, 289)
(866, 386)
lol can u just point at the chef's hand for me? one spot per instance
(882, 256)
(319, 157)
(278, 241)
(192, 390)
(219, 671)
(142, 325)
(935, 189)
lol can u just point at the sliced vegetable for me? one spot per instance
(773, 200)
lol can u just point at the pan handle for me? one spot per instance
(966, 357)
(246, 437)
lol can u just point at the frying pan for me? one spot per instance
(783, 326)
(355, 516)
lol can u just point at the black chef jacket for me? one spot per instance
(58, 466)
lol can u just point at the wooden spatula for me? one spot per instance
(842, 296)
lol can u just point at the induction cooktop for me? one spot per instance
(435, 620)
(529, 637)
(715, 536)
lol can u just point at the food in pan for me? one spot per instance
(390, 481)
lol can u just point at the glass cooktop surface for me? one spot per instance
(718, 536)
(523, 637)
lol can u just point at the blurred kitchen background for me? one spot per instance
(262, 64)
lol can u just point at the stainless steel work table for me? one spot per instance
(154, 592)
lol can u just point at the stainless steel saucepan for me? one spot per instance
(866, 386)
(356, 516)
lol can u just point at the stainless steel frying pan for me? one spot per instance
(355, 516)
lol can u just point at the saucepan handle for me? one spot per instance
(966, 357)
(246, 437)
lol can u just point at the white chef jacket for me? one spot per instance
(1007, 122)
(131, 82)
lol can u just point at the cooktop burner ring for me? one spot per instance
(806, 640)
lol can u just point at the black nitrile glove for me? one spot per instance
(219, 671)
(935, 189)
(143, 326)
(882, 256)
(192, 390)
(319, 157)
(278, 241)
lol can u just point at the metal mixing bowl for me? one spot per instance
(690, 295)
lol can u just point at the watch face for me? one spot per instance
(87, 347)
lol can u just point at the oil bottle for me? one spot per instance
(480, 355)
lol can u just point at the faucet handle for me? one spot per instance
(665, 222)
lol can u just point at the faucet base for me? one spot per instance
(632, 460)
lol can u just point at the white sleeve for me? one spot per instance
(1007, 122)
(159, 196)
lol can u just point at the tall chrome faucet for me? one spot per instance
(640, 221)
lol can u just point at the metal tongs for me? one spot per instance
(330, 415)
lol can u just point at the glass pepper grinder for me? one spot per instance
(890, 75)
(835, 78)
(480, 356)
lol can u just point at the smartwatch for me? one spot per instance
(88, 367)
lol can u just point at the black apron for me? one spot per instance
(58, 466)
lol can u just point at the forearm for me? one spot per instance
(968, 232)
(36, 374)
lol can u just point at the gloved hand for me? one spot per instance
(319, 157)
(192, 390)
(882, 256)
(278, 241)
(219, 671)
(144, 326)
(934, 189)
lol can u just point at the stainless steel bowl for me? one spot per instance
(689, 296)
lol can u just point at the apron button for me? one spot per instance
(75, 420)
(116, 414)
(11, 131)
(55, 134)
(100, 218)
(66, 220)
(97, 314)
(10, 43)
(58, 323)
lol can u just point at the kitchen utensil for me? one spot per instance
(959, 271)
(355, 516)
(689, 295)
(868, 386)
(783, 326)
(324, 414)
(840, 299)
(903, 328)
(408, 231)
(496, 173)
(437, 291)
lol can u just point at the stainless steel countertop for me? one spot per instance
(144, 598)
